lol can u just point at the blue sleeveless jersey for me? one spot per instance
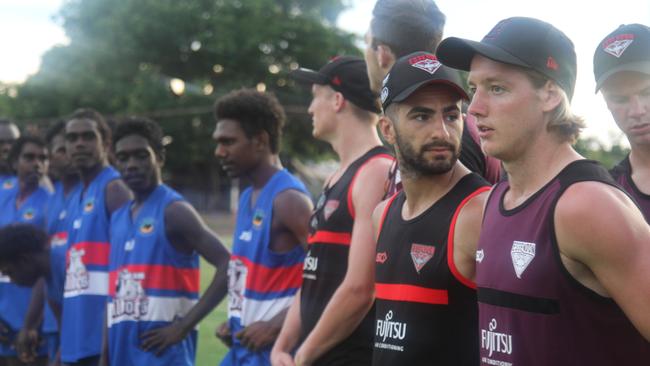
(86, 281)
(261, 283)
(58, 225)
(151, 284)
(14, 299)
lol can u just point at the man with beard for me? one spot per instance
(156, 241)
(426, 310)
(562, 261)
(271, 229)
(331, 320)
(87, 140)
(399, 28)
(27, 203)
(622, 71)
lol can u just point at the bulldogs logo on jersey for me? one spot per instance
(130, 297)
(77, 277)
(89, 205)
(28, 214)
(421, 254)
(147, 227)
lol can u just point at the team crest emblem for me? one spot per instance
(147, 226)
(258, 217)
(522, 254)
(89, 205)
(421, 254)
(615, 46)
(29, 214)
(428, 63)
(8, 184)
(329, 208)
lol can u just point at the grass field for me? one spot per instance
(210, 349)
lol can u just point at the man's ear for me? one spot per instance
(551, 96)
(261, 141)
(385, 57)
(387, 129)
(339, 101)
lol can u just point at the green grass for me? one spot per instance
(210, 350)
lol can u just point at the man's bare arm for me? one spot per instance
(599, 227)
(188, 233)
(117, 194)
(466, 233)
(354, 297)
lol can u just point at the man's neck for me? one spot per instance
(25, 190)
(355, 140)
(422, 191)
(640, 158)
(535, 167)
(90, 174)
(264, 171)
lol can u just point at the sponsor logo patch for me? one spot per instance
(28, 214)
(381, 257)
(522, 254)
(89, 205)
(8, 184)
(421, 254)
(480, 254)
(495, 342)
(147, 226)
(616, 46)
(428, 63)
(258, 217)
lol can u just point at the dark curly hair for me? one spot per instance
(143, 127)
(19, 239)
(18, 145)
(407, 26)
(256, 112)
(93, 115)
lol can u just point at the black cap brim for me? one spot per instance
(410, 90)
(458, 53)
(641, 66)
(309, 76)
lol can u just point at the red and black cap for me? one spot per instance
(348, 76)
(520, 41)
(413, 71)
(625, 49)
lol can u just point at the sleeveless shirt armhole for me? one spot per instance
(354, 179)
(450, 240)
(383, 214)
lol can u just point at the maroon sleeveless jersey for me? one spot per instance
(532, 312)
(622, 173)
(327, 262)
(426, 311)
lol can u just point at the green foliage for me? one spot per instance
(123, 53)
(591, 148)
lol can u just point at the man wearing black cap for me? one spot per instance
(426, 310)
(622, 71)
(331, 319)
(399, 28)
(562, 260)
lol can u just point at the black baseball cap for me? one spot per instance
(413, 71)
(348, 76)
(520, 41)
(625, 49)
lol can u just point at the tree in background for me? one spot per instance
(123, 54)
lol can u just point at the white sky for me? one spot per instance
(27, 30)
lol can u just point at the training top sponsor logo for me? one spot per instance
(391, 330)
(495, 342)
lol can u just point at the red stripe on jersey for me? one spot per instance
(350, 202)
(330, 237)
(410, 293)
(95, 253)
(267, 279)
(161, 277)
(450, 241)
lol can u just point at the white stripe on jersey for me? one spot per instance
(97, 284)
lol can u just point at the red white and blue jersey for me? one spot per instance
(58, 225)
(261, 283)
(151, 284)
(86, 283)
(14, 299)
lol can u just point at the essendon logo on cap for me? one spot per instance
(551, 64)
(616, 45)
(428, 63)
